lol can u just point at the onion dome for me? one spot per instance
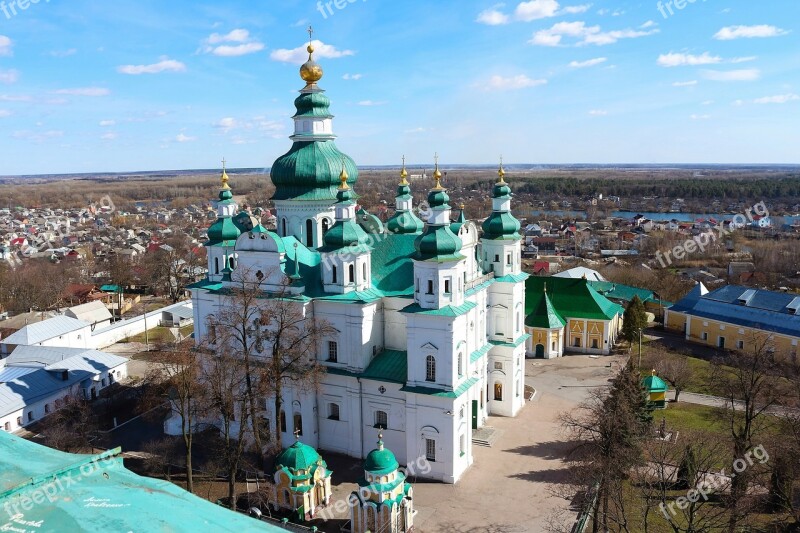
(381, 461)
(404, 220)
(298, 456)
(438, 242)
(225, 228)
(345, 233)
(653, 383)
(369, 222)
(501, 224)
(309, 171)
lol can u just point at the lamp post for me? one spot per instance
(640, 348)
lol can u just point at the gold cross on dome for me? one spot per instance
(310, 33)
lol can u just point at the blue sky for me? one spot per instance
(88, 86)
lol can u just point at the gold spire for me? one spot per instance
(437, 175)
(501, 173)
(311, 72)
(343, 177)
(462, 206)
(225, 179)
(404, 174)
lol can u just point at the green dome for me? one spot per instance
(501, 226)
(654, 384)
(381, 461)
(405, 222)
(224, 229)
(436, 242)
(313, 104)
(369, 222)
(310, 171)
(501, 190)
(438, 198)
(298, 456)
(344, 234)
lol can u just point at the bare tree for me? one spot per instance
(173, 267)
(673, 368)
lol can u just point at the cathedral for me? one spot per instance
(427, 317)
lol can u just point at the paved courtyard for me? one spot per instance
(508, 488)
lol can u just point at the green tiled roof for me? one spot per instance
(310, 171)
(298, 456)
(477, 354)
(545, 315)
(389, 365)
(449, 310)
(479, 287)
(514, 344)
(438, 242)
(392, 264)
(461, 389)
(654, 384)
(381, 461)
(97, 493)
(513, 278)
(206, 284)
(572, 298)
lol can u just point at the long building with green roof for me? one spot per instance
(426, 312)
(568, 315)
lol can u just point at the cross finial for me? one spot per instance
(310, 33)
(297, 434)
(223, 163)
(225, 178)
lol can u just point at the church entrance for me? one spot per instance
(474, 414)
(539, 351)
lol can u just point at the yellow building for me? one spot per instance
(733, 317)
(302, 481)
(384, 500)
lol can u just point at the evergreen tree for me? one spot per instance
(634, 320)
(687, 471)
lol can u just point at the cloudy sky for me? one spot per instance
(88, 86)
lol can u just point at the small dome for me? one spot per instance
(438, 198)
(381, 461)
(405, 222)
(501, 226)
(654, 383)
(298, 456)
(310, 71)
(437, 241)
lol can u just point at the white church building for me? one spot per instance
(428, 317)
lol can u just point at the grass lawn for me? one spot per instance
(155, 335)
(685, 416)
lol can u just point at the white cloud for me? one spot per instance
(37, 137)
(536, 9)
(779, 99)
(684, 83)
(748, 32)
(165, 65)
(5, 113)
(226, 124)
(352, 76)
(500, 83)
(700, 117)
(598, 112)
(219, 45)
(588, 62)
(648, 24)
(8, 77)
(370, 103)
(182, 138)
(5, 46)
(64, 53)
(261, 124)
(707, 102)
(107, 123)
(746, 59)
(684, 60)
(493, 16)
(585, 35)
(15, 98)
(574, 10)
(110, 136)
(732, 75)
(299, 55)
(84, 91)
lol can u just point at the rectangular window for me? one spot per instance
(333, 352)
(740, 345)
(30, 416)
(496, 258)
(498, 366)
(430, 286)
(333, 411)
(430, 450)
(333, 275)
(381, 419)
(508, 259)
(447, 286)
(705, 336)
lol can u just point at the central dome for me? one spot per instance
(310, 171)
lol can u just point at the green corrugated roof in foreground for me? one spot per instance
(572, 298)
(48, 491)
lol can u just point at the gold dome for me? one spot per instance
(404, 174)
(310, 71)
(343, 177)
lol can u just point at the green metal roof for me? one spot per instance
(448, 310)
(310, 171)
(513, 344)
(513, 278)
(389, 365)
(572, 298)
(501, 226)
(438, 242)
(430, 391)
(381, 461)
(66, 493)
(545, 315)
(405, 222)
(654, 384)
(480, 352)
(299, 456)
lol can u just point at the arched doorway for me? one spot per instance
(539, 351)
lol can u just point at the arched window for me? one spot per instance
(498, 391)
(430, 368)
(364, 271)
(283, 421)
(232, 262)
(333, 274)
(309, 233)
(212, 329)
(381, 419)
(216, 265)
(460, 364)
(298, 424)
(352, 271)
(283, 227)
(326, 224)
